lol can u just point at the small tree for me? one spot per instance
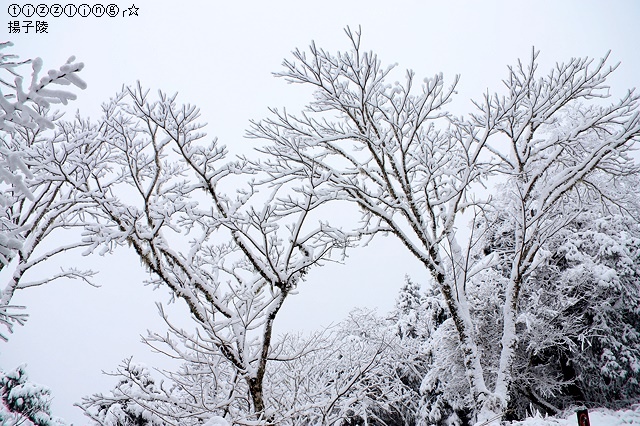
(135, 400)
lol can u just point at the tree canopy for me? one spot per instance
(530, 290)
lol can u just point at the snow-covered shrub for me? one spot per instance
(23, 402)
(599, 260)
(579, 318)
(136, 400)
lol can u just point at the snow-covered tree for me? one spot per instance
(408, 310)
(34, 201)
(135, 400)
(436, 372)
(232, 259)
(357, 372)
(551, 145)
(575, 331)
(23, 402)
(578, 340)
(25, 109)
(412, 169)
(607, 366)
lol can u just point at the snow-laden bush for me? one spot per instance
(23, 402)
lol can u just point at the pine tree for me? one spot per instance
(23, 402)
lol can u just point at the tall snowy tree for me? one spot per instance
(411, 168)
(576, 339)
(551, 145)
(232, 259)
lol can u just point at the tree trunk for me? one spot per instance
(459, 310)
(255, 389)
(508, 341)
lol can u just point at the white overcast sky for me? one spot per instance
(220, 56)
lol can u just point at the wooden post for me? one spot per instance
(583, 417)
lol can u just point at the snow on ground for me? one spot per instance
(216, 421)
(597, 417)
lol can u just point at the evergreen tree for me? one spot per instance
(25, 403)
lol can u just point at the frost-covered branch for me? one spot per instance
(35, 201)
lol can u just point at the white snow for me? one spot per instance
(597, 417)
(217, 421)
